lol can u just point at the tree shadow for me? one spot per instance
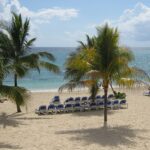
(6, 120)
(8, 146)
(13, 120)
(93, 113)
(106, 136)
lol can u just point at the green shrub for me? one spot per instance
(120, 95)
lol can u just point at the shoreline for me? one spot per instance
(78, 90)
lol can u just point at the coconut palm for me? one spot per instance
(106, 62)
(78, 64)
(14, 42)
(15, 94)
(111, 60)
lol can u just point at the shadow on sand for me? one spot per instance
(93, 113)
(106, 136)
(6, 120)
(8, 146)
(14, 120)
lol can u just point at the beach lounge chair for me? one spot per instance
(77, 100)
(77, 107)
(110, 96)
(100, 105)
(103, 97)
(51, 109)
(115, 104)
(98, 99)
(85, 105)
(68, 108)
(89, 99)
(146, 93)
(42, 110)
(60, 108)
(123, 104)
(84, 100)
(93, 106)
(55, 100)
(69, 101)
(109, 104)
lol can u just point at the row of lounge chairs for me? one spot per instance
(146, 93)
(80, 104)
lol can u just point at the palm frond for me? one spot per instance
(76, 84)
(49, 66)
(47, 55)
(16, 94)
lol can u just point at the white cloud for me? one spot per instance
(133, 25)
(40, 16)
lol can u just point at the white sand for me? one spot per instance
(128, 129)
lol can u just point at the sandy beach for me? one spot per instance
(127, 129)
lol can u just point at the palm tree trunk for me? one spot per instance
(15, 83)
(105, 104)
(94, 90)
(112, 88)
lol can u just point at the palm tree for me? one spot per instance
(106, 62)
(78, 64)
(14, 41)
(16, 94)
(111, 61)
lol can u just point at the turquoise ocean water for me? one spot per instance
(49, 81)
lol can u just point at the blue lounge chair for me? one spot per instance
(123, 104)
(51, 109)
(98, 99)
(68, 108)
(85, 105)
(115, 104)
(60, 108)
(77, 107)
(77, 100)
(93, 106)
(84, 98)
(103, 97)
(109, 104)
(110, 96)
(41, 110)
(69, 101)
(100, 105)
(146, 93)
(90, 99)
(55, 100)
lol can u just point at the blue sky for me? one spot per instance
(64, 22)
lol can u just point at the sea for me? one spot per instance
(47, 81)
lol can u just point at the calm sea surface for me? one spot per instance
(46, 80)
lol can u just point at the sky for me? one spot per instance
(62, 23)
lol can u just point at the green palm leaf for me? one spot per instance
(49, 66)
(16, 94)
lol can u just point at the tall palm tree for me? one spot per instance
(14, 41)
(106, 62)
(111, 61)
(16, 94)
